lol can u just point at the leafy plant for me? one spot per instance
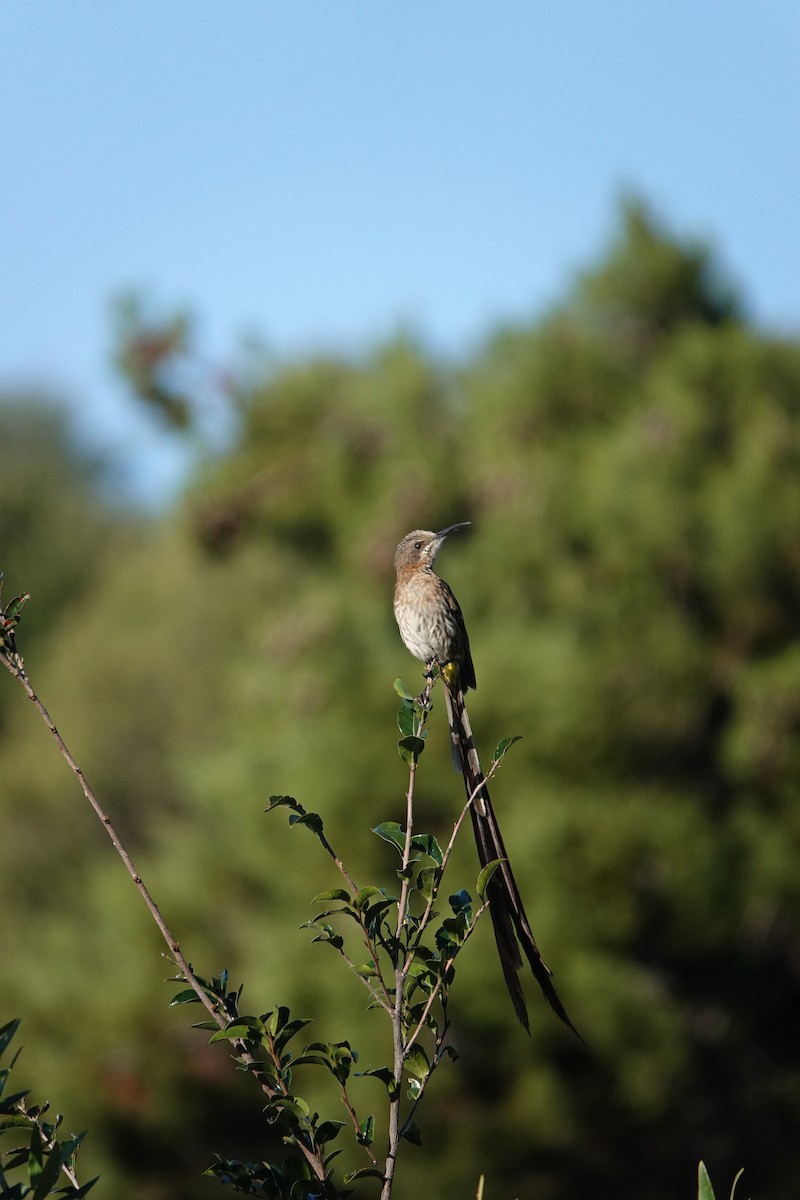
(411, 947)
(38, 1158)
(410, 941)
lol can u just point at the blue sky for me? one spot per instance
(320, 173)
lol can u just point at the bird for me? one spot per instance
(432, 628)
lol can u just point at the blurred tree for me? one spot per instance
(149, 354)
(631, 586)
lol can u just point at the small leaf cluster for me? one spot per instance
(262, 1047)
(411, 720)
(292, 1178)
(705, 1191)
(405, 971)
(38, 1155)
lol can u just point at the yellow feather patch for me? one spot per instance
(449, 673)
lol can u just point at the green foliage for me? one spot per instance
(704, 1189)
(408, 975)
(265, 1039)
(39, 1164)
(631, 588)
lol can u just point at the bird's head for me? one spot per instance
(420, 547)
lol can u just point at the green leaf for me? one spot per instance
(364, 1173)
(412, 1134)
(83, 1191)
(376, 911)
(417, 1063)
(245, 1028)
(318, 920)
(407, 721)
(461, 902)
(402, 690)
(424, 977)
(428, 844)
(485, 875)
(366, 894)
(283, 802)
(188, 996)
(366, 1131)
(333, 894)
(7, 1033)
(329, 938)
(311, 819)
(327, 1131)
(504, 745)
(50, 1172)
(704, 1189)
(335, 1056)
(390, 831)
(736, 1179)
(450, 935)
(426, 882)
(386, 1077)
(274, 1020)
(294, 1105)
(288, 1031)
(366, 970)
(410, 748)
(35, 1160)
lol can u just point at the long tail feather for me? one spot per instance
(511, 926)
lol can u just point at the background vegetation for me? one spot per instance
(631, 584)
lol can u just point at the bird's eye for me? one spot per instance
(417, 545)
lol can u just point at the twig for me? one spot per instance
(399, 1052)
(439, 983)
(377, 998)
(356, 1126)
(50, 1142)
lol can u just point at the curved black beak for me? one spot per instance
(458, 525)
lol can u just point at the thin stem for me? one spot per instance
(356, 1126)
(397, 1007)
(382, 1000)
(340, 865)
(439, 1041)
(437, 1058)
(49, 1144)
(440, 982)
